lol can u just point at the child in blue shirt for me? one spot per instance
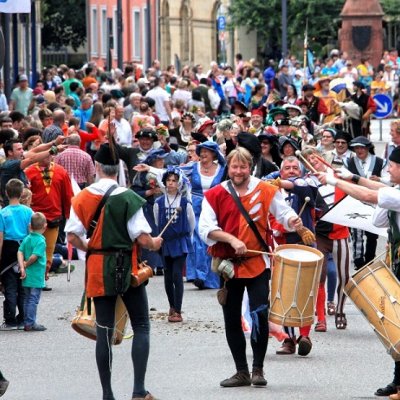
(32, 264)
(177, 237)
(14, 227)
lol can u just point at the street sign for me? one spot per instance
(221, 36)
(384, 105)
(221, 23)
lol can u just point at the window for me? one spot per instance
(145, 38)
(115, 32)
(104, 38)
(94, 32)
(137, 48)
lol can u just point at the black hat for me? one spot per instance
(284, 140)
(250, 143)
(361, 141)
(267, 136)
(106, 155)
(343, 135)
(282, 122)
(147, 133)
(307, 86)
(395, 155)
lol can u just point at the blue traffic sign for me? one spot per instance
(221, 23)
(384, 105)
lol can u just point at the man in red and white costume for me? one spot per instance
(225, 230)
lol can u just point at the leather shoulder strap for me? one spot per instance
(96, 216)
(245, 214)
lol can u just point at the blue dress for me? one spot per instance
(177, 241)
(198, 264)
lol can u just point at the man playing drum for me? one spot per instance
(110, 260)
(224, 228)
(297, 193)
(387, 214)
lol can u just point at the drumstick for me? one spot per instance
(306, 200)
(260, 252)
(177, 210)
(307, 164)
(323, 161)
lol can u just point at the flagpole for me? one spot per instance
(305, 51)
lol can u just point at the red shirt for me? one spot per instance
(52, 195)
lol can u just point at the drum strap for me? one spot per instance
(96, 216)
(246, 215)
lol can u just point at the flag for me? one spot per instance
(310, 61)
(354, 214)
(15, 6)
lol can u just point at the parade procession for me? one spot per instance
(212, 224)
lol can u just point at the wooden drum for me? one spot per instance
(294, 286)
(85, 323)
(376, 293)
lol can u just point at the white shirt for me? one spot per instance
(183, 95)
(136, 225)
(388, 199)
(160, 96)
(124, 132)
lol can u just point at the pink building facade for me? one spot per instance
(103, 19)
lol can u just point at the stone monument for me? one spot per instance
(361, 34)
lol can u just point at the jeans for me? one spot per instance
(31, 302)
(258, 291)
(135, 300)
(173, 280)
(13, 298)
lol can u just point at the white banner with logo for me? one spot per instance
(15, 6)
(354, 214)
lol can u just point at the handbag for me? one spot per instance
(144, 273)
(245, 214)
(222, 295)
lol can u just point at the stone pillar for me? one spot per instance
(361, 34)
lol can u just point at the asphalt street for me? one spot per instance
(187, 360)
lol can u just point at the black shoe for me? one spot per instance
(241, 378)
(3, 386)
(257, 377)
(159, 272)
(199, 283)
(47, 289)
(387, 391)
(305, 345)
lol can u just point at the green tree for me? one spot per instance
(323, 17)
(64, 23)
(265, 17)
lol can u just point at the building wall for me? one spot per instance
(189, 32)
(188, 28)
(134, 22)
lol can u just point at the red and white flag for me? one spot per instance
(15, 6)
